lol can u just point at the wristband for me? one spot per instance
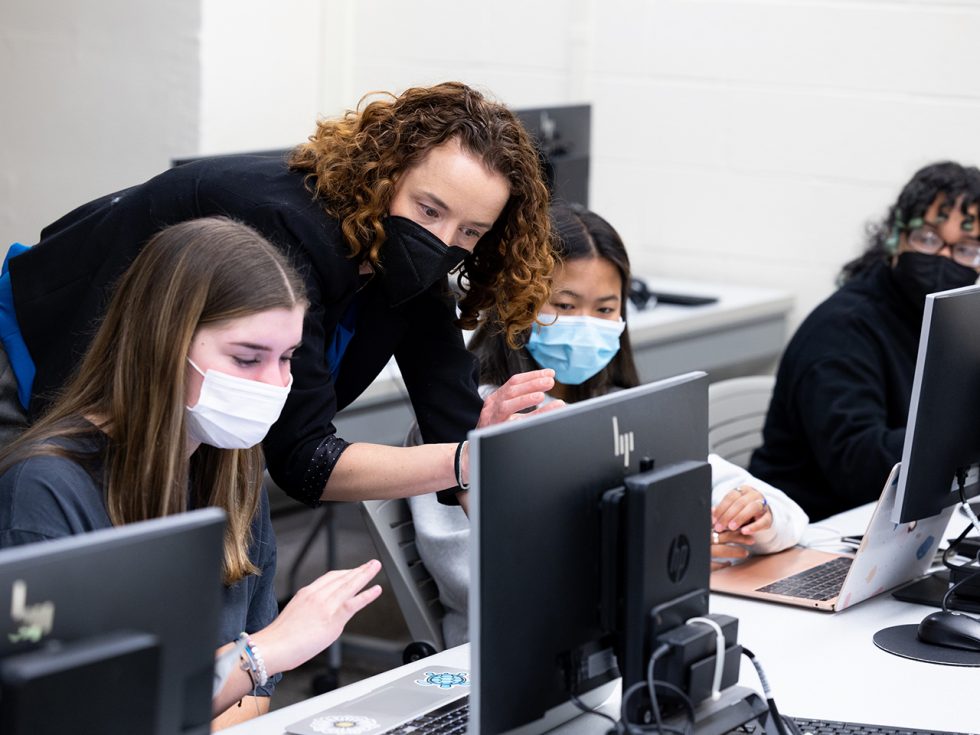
(457, 466)
(252, 663)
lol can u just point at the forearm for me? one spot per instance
(377, 471)
(239, 685)
(244, 709)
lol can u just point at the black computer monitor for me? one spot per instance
(562, 135)
(943, 432)
(537, 625)
(282, 153)
(112, 626)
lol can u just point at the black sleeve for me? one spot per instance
(302, 447)
(843, 410)
(440, 373)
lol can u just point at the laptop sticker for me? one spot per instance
(343, 725)
(443, 680)
(924, 548)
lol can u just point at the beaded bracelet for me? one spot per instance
(457, 468)
(252, 663)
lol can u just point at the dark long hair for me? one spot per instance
(946, 179)
(579, 234)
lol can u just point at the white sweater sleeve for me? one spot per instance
(788, 519)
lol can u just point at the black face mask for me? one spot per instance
(413, 259)
(920, 274)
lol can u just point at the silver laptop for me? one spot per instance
(403, 705)
(890, 555)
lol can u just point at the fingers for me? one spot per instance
(343, 584)
(731, 537)
(550, 406)
(361, 600)
(728, 552)
(763, 523)
(529, 377)
(720, 513)
(740, 507)
(522, 391)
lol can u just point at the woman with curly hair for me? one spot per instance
(375, 210)
(836, 422)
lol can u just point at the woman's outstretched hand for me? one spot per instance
(316, 616)
(521, 392)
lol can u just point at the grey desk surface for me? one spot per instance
(742, 334)
(820, 665)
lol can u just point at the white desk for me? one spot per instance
(826, 665)
(743, 333)
(821, 665)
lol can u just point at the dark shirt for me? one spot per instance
(836, 423)
(48, 497)
(62, 285)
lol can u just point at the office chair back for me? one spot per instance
(390, 524)
(736, 414)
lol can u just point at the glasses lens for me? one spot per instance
(967, 254)
(926, 241)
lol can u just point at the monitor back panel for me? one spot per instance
(535, 556)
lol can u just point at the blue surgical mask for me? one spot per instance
(575, 347)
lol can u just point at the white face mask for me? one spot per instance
(232, 412)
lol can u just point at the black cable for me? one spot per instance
(651, 689)
(651, 685)
(961, 487)
(591, 711)
(777, 718)
(635, 727)
(952, 547)
(953, 587)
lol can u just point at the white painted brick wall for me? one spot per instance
(736, 140)
(94, 96)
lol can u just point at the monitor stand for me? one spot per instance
(736, 706)
(930, 590)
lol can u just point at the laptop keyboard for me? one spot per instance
(832, 727)
(829, 727)
(822, 582)
(450, 719)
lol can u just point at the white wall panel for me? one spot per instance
(96, 96)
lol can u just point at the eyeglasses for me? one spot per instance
(926, 239)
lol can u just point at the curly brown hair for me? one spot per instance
(354, 164)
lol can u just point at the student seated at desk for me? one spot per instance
(585, 341)
(375, 209)
(165, 413)
(836, 423)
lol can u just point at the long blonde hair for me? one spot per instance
(354, 164)
(132, 379)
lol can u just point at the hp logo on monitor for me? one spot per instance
(678, 558)
(622, 443)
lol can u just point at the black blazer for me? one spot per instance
(62, 285)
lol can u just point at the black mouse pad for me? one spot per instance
(901, 640)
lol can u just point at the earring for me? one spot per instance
(891, 243)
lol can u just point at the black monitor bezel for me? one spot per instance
(162, 577)
(943, 428)
(673, 417)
